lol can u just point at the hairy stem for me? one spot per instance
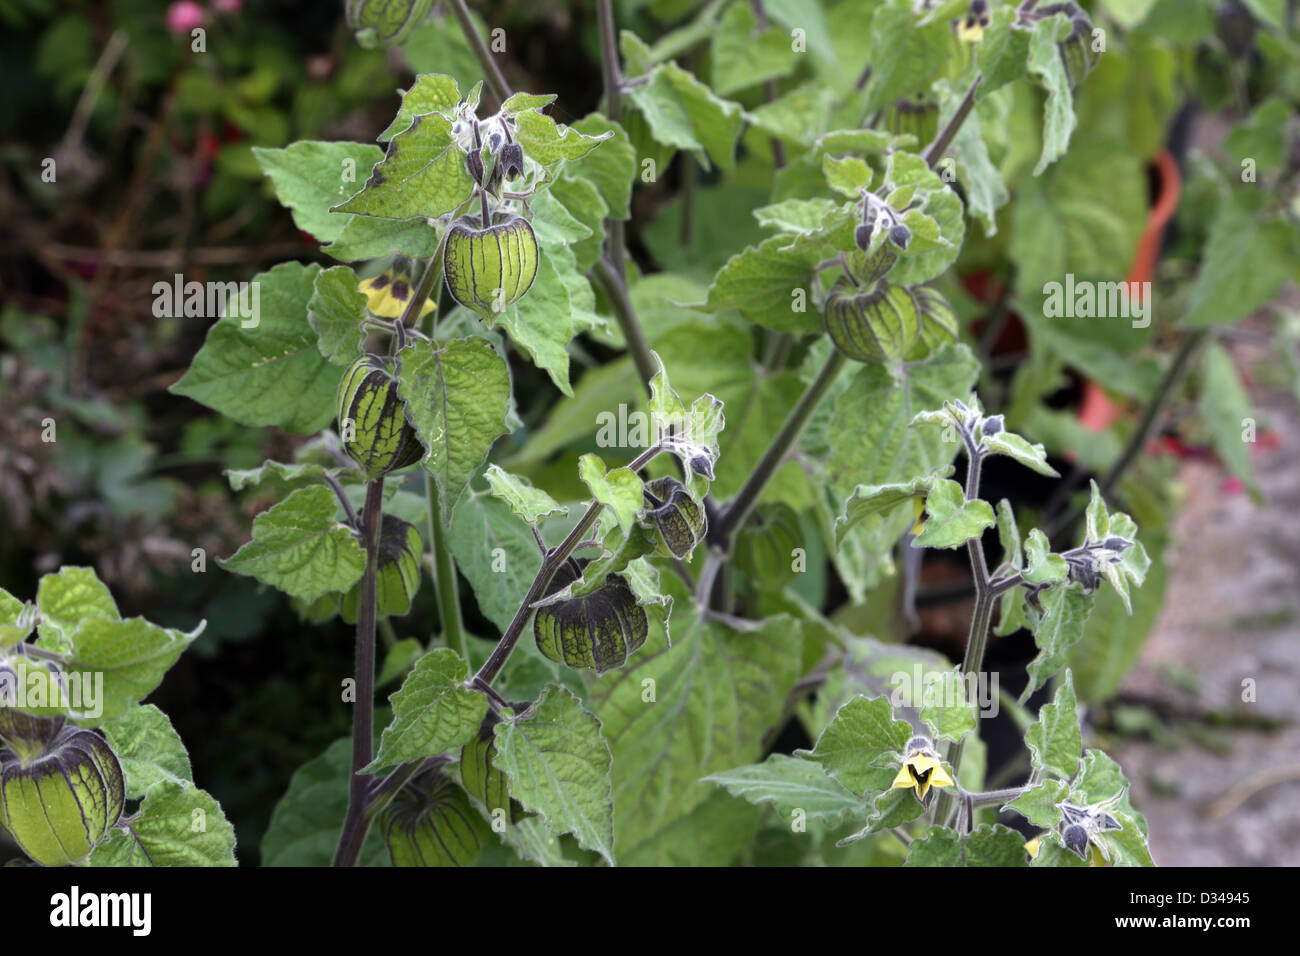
(554, 559)
(491, 72)
(934, 152)
(605, 274)
(453, 630)
(738, 509)
(1145, 431)
(357, 823)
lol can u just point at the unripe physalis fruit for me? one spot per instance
(483, 780)
(388, 293)
(1076, 49)
(599, 630)
(372, 418)
(766, 544)
(918, 117)
(677, 517)
(488, 269)
(57, 801)
(900, 235)
(398, 576)
(872, 326)
(379, 23)
(938, 322)
(431, 823)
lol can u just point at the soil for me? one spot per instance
(1223, 788)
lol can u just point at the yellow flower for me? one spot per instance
(388, 293)
(970, 28)
(921, 769)
(918, 515)
(1032, 846)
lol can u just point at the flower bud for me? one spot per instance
(474, 165)
(1075, 838)
(489, 269)
(994, 424)
(599, 630)
(862, 235)
(372, 418)
(59, 802)
(702, 466)
(511, 160)
(900, 235)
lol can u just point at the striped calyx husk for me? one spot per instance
(938, 322)
(379, 23)
(489, 269)
(1077, 54)
(918, 117)
(766, 544)
(398, 576)
(599, 630)
(873, 325)
(677, 518)
(482, 779)
(59, 803)
(432, 823)
(372, 418)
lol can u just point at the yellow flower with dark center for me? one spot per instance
(918, 515)
(388, 293)
(921, 769)
(970, 28)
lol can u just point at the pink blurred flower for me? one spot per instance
(227, 6)
(185, 15)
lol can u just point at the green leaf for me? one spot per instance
(335, 311)
(1058, 110)
(618, 489)
(952, 520)
(1003, 53)
(149, 750)
(281, 475)
(612, 168)
(905, 56)
(847, 175)
(684, 113)
(1247, 258)
(861, 744)
(70, 594)
(541, 323)
(547, 142)
(531, 504)
(176, 825)
(870, 436)
(1096, 517)
(430, 93)
(742, 56)
(1126, 846)
(797, 216)
(365, 237)
(761, 282)
(1033, 457)
(584, 204)
(433, 712)
(1039, 805)
(988, 845)
(941, 204)
(869, 500)
(422, 174)
(1054, 742)
(1043, 567)
(798, 117)
(272, 373)
(945, 709)
(558, 765)
(300, 547)
(497, 554)
(1058, 628)
(306, 823)
(675, 714)
(131, 655)
(310, 177)
(791, 785)
(1226, 410)
(457, 394)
